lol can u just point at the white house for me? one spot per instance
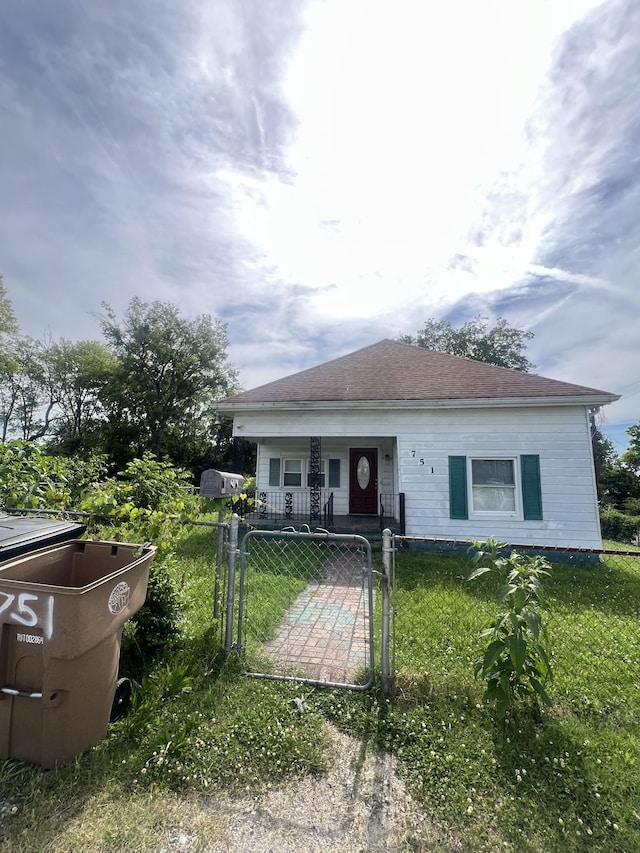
(434, 444)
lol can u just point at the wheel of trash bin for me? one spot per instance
(121, 700)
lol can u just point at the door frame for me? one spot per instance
(354, 455)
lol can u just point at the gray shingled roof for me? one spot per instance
(391, 371)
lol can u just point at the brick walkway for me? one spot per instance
(324, 635)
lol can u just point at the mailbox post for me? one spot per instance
(220, 484)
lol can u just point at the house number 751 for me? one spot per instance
(420, 461)
(31, 611)
(24, 614)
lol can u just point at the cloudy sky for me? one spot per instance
(321, 174)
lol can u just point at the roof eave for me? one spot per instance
(588, 400)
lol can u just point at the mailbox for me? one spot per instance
(218, 484)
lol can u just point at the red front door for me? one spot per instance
(363, 480)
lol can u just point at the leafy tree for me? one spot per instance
(29, 392)
(8, 324)
(150, 388)
(619, 487)
(78, 373)
(604, 456)
(627, 471)
(631, 456)
(8, 391)
(619, 484)
(46, 386)
(501, 344)
(8, 364)
(28, 399)
(170, 371)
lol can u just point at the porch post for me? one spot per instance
(315, 456)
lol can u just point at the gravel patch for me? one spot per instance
(360, 804)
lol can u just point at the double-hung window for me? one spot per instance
(493, 485)
(292, 472)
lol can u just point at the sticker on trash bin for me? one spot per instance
(119, 597)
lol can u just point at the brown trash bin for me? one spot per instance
(62, 610)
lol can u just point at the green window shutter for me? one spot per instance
(458, 487)
(274, 472)
(531, 492)
(334, 473)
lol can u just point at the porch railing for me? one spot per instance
(392, 509)
(292, 506)
(284, 507)
(327, 511)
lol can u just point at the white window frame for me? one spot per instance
(284, 472)
(305, 468)
(517, 512)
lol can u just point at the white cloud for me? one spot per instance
(324, 174)
(408, 116)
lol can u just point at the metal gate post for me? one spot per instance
(231, 584)
(219, 558)
(388, 677)
(242, 599)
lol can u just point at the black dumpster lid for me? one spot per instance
(20, 534)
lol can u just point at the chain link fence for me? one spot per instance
(590, 615)
(300, 606)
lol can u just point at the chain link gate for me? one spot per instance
(305, 607)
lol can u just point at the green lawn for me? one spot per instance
(564, 779)
(560, 779)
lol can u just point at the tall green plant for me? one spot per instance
(29, 478)
(32, 479)
(515, 664)
(151, 499)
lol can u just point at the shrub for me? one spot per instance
(515, 665)
(149, 500)
(80, 474)
(618, 525)
(30, 479)
(145, 484)
(632, 507)
(155, 625)
(151, 484)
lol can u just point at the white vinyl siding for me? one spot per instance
(558, 435)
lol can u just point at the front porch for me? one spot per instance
(275, 510)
